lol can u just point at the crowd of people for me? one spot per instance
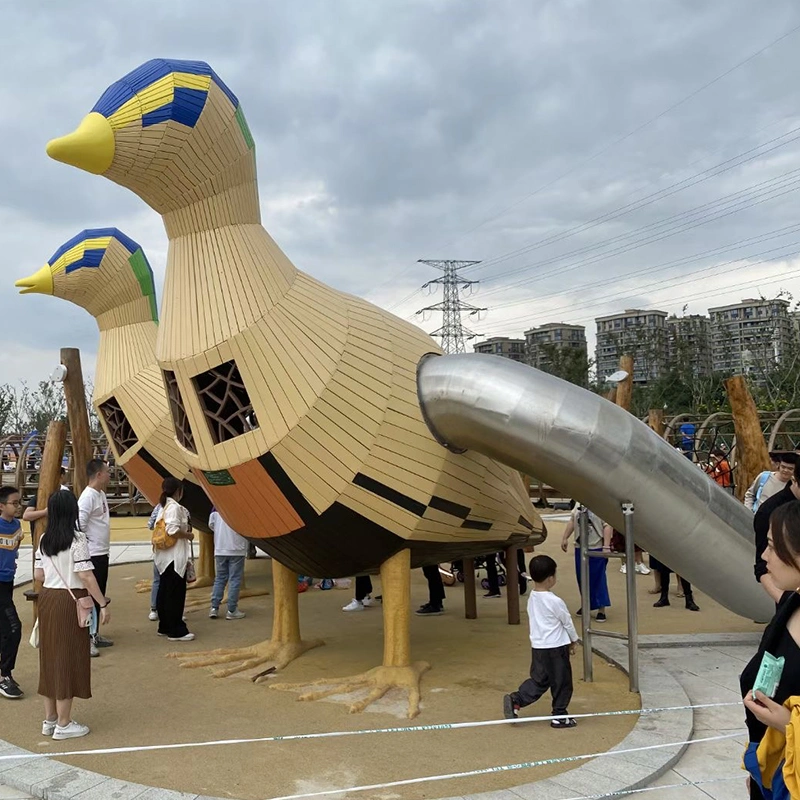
(71, 563)
(72, 560)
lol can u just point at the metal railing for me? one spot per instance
(587, 631)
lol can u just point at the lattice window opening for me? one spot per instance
(180, 419)
(122, 434)
(225, 402)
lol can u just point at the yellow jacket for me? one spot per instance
(779, 746)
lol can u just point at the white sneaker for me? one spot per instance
(153, 615)
(213, 613)
(48, 727)
(353, 605)
(643, 569)
(189, 637)
(367, 601)
(93, 651)
(71, 731)
(624, 569)
(235, 614)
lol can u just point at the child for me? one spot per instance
(151, 524)
(10, 625)
(553, 638)
(230, 552)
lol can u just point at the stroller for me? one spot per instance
(456, 572)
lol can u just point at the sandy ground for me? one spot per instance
(143, 698)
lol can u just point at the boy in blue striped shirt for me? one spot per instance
(10, 625)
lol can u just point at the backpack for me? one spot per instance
(762, 482)
(161, 540)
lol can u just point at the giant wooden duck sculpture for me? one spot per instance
(294, 404)
(107, 273)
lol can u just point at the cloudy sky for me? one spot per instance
(594, 156)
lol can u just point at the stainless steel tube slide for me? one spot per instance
(602, 456)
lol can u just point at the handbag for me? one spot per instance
(83, 605)
(191, 572)
(34, 640)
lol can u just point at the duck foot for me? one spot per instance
(378, 681)
(269, 651)
(143, 586)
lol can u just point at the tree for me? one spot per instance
(569, 363)
(45, 405)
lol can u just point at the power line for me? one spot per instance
(676, 282)
(631, 133)
(653, 197)
(774, 234)
(605, 149)
(759, 193)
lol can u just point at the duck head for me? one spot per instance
(170, 131)
(103, 271)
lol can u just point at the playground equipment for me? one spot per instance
(603, 457)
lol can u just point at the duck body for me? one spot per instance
(330, 466)
(294, 405)
(107, 273)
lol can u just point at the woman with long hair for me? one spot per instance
(172, 563)
(771, 721)
(64, 567)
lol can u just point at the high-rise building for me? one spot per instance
(638, 333)
(690, 345)
(503, 346)
(750, 336)
(542, 342)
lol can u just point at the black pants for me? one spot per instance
(363, 586)
(10, 629)
(170, 601)
(435, 585)
(101, 575)
(665, 572)
(491, 572)
(550, 669)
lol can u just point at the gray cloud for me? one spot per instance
(392, 131)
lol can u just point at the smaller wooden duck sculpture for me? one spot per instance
(105, 272)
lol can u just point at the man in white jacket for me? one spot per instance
(94, 520)
(230, 552)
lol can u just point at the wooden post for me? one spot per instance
(49, 481)
(470, 592)
(625, 388)
(655, 419)
(752, 456)
(611, 395)
(512, 585)
(78, 417)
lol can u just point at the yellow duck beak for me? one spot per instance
(89, 147)
(41, 282)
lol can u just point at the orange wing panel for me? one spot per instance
(146, 479)
(254, 505)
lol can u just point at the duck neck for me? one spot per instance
(233, 201)
(132, 312)
(123, 353)
(223, 269)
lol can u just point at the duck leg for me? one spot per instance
(145, 585)
(397, 670)
(284, 646)
(204, 565)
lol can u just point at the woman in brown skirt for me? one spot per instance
(64, 567)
